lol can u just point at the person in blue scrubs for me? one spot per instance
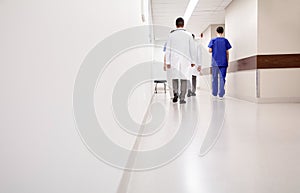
(219, 47)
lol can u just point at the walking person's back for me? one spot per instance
(179, 54)
(219, 47)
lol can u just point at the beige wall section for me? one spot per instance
(278, 27)
(280, 85)
(242, 85)
(278, 33)
(241, 28)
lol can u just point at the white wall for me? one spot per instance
(241, 28)
(158, 55)
(43, 43)
(278, 27)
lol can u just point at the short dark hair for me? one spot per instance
(179, 22)
(220, 30)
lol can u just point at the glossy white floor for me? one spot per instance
(238, 147)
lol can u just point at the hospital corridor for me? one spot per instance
(150, 96)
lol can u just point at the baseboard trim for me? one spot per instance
(278, 100)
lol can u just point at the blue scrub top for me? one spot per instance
(219, 46)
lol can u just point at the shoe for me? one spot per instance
(214, 97)
(182, 101)
(221, 98)
(175, 99)
(189, 93)
(193, 94)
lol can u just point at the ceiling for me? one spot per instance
(165, 12)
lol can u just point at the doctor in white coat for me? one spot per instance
(195, 71)
(179, 57)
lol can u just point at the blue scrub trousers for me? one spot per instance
(218, 72)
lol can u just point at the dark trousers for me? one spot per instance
(183, 88)
(218, 79)
(194, 84)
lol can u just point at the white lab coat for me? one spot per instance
(179, 53)
(197, 57)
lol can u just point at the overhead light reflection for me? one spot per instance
(189, 10)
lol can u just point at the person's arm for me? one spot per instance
(192, 51)
(165, 65)
(228, 46)
(199, 58)
(168, 53)
(227, 55)
(210, 46)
